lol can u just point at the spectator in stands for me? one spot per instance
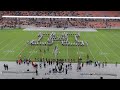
(11, 23)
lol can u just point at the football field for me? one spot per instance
(103, 45)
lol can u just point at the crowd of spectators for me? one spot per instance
(63, 13)
(80, 23)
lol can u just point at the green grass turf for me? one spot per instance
(104, 45)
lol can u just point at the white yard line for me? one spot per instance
(32, 52)
(13, 48)
(108, 47)
(67, 52)
(101, 51)
(112, 42)
(91, 52)
(2, 41)
(114, 34)
(6, 45)
(79, 51)
(23, 49)
(43, 54)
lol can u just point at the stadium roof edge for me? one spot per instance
(61, 17)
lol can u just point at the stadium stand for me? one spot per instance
(79, 23)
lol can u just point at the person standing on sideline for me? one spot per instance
(99, 64)
(44, 65)
(7, 67)
(82, 64)
(103, 65)
(66, 70)
(116, 64)
(4, 66)
(36, 72)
